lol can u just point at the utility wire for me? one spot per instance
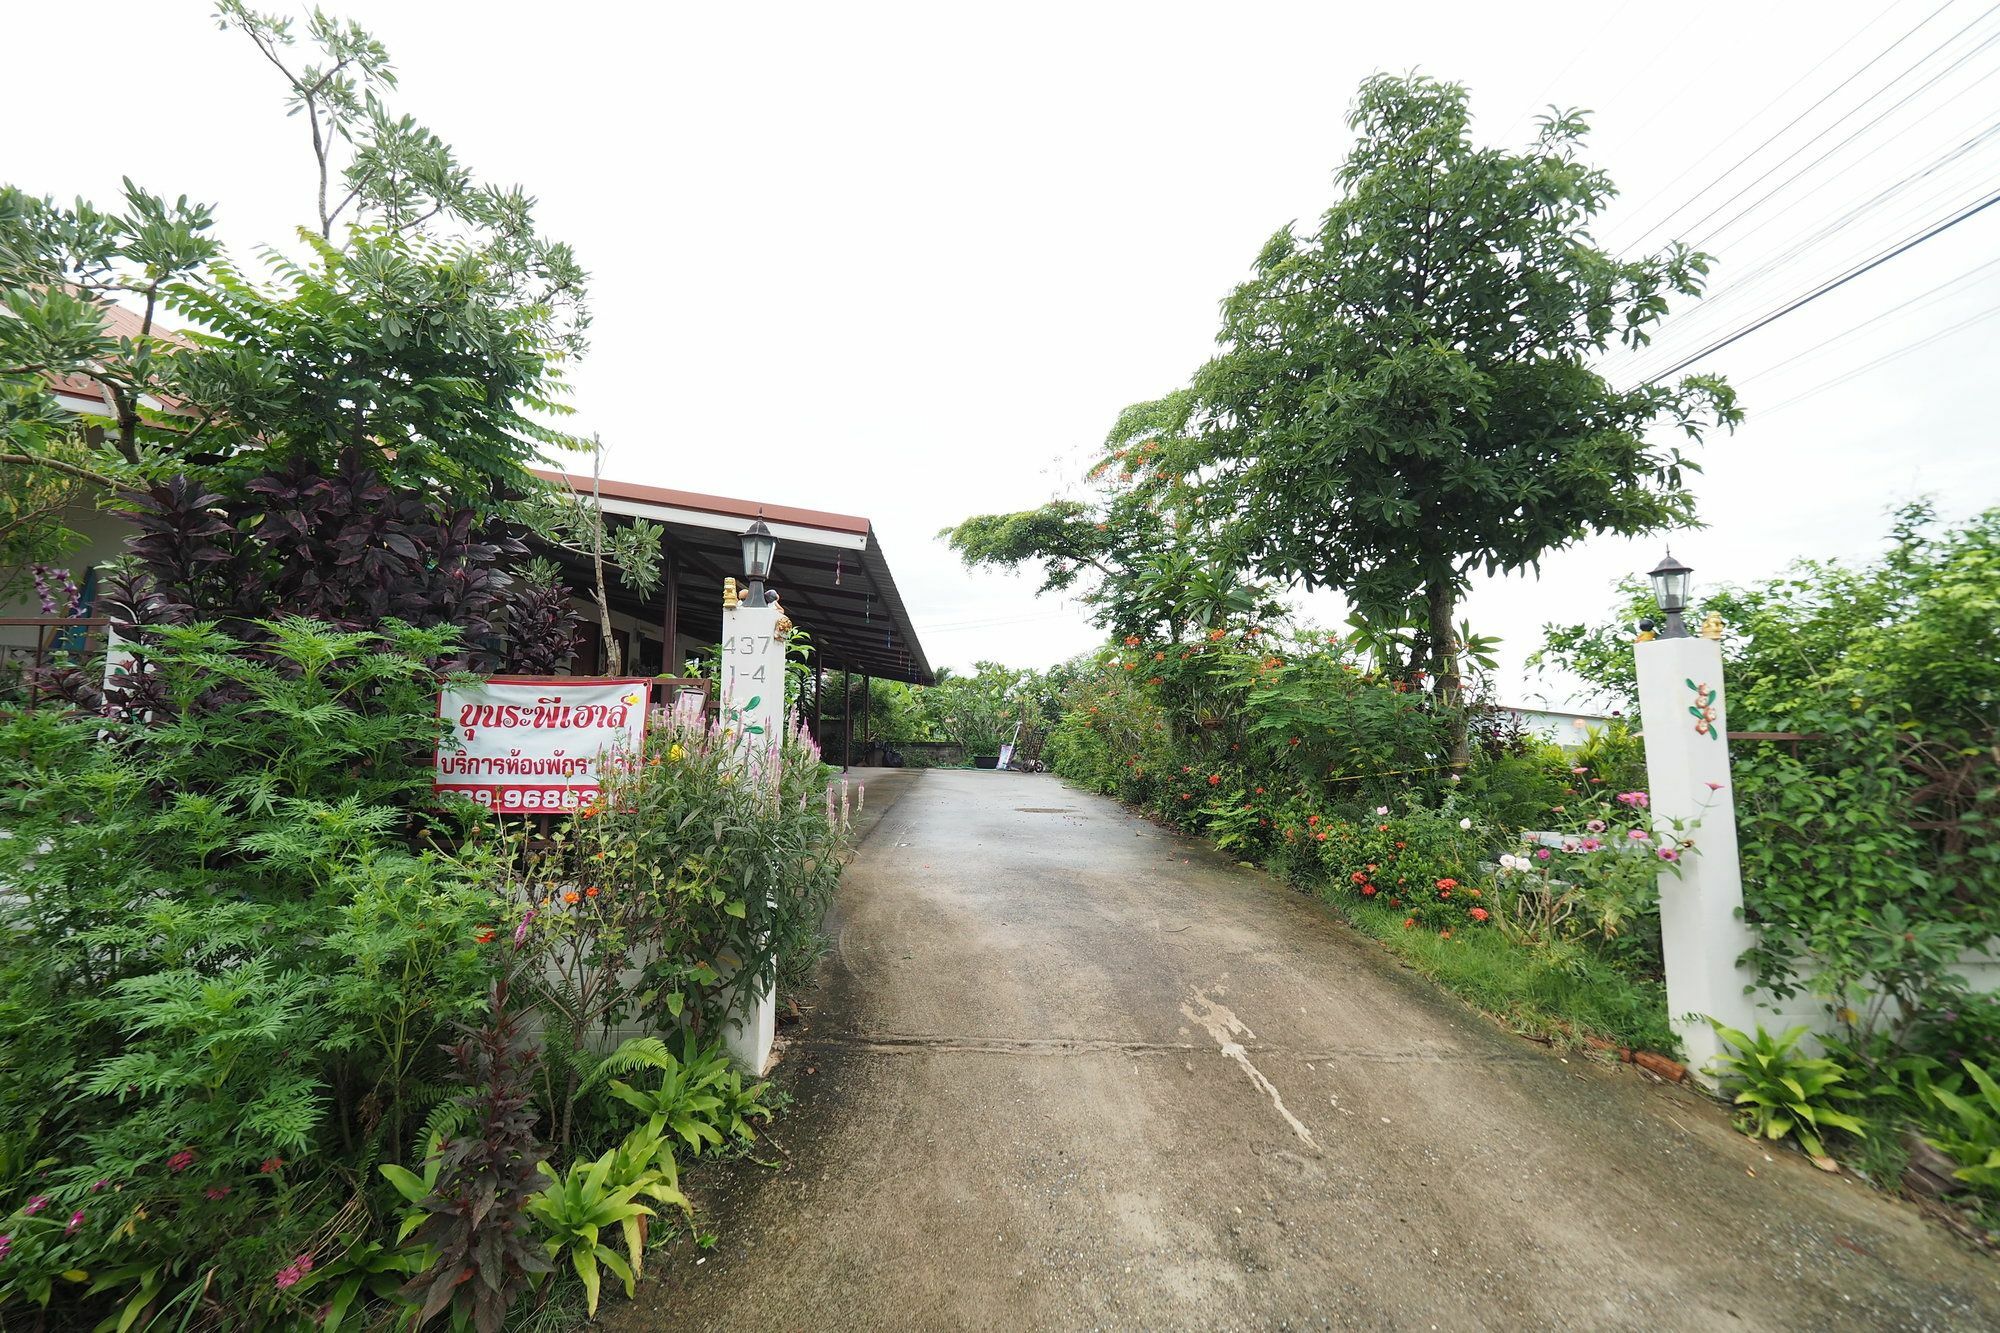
(1915, 302)
(1786, 127)
(1884, 360)
(1877, 120)
(1824, 288)
(1758, 278)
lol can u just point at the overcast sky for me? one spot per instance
(910, 261)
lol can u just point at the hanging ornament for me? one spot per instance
(837, 559)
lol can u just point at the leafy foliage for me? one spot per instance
(1783, 1092)
(486, 1251)
(1868, 861)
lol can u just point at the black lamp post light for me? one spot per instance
(1670, 590)
(760, 549)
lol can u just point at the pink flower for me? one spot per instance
(6, 1244)
(217, 1191)
(1715, 786)
(1669, 854)
(1591, 844)
(1595, 826)
(35, 1205)
(75, 1221)
(1638, 835)
(98, 1188)
(1542, 855)
(1638, 800)
(180, 1161)
(291, 1273)
(521, 931)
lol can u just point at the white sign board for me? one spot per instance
(533, 744)
(753, 678)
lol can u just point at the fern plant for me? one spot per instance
(1783, 1092)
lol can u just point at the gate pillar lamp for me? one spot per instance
(760, 549)
(1670, 589)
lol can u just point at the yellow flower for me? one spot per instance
(675, 753)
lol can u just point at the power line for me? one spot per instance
(1830, 286)
(1788, 125)
(1884, 360)
(1915, 302)
(1885, 114)
(1759, 277)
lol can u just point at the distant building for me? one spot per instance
(1565, 728)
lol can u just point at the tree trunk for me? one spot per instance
(1441, 601)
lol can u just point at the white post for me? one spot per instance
(753, 706)
(1702, 932)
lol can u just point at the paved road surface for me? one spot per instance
(1070, 1071)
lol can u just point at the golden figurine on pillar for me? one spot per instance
(783, 626)
(729, 597)
(1711, 627)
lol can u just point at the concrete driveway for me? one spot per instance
(1068, 1070)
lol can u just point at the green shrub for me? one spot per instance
(1782, 1091)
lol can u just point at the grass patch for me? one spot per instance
(1563, 992)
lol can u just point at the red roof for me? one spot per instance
(709, 504)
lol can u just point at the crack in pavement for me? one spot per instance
(893, 1042)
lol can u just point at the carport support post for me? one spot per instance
(867, 714)
(846, 718)
(1702, 931)
(753, 708)
(819, 697)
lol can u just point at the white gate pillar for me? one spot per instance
(1702, 932)
(753, 706)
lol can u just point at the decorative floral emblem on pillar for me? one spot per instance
(1703, 710)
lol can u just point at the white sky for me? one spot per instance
(909, 261)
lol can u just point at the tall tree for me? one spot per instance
(1407, 395)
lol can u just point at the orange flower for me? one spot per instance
(1444, 934)
(1131, 641)
(1409, 921)
(571, 895)
(590, 892)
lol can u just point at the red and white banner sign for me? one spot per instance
(533, 744)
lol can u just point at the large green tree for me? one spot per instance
(1408, 393)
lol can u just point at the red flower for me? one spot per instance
(1384, 828)
(1360, 877)
(1478, 914)
(485, 936)
(590, 892)
(1214, 778)
(217, 1191)
(1444, 934)
(1312, 819)
(1260, 791)
(1368, 890)
(1409, 921)
(1321, 835)
(1447, 883)
(180, 1161)
(271, 1164)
